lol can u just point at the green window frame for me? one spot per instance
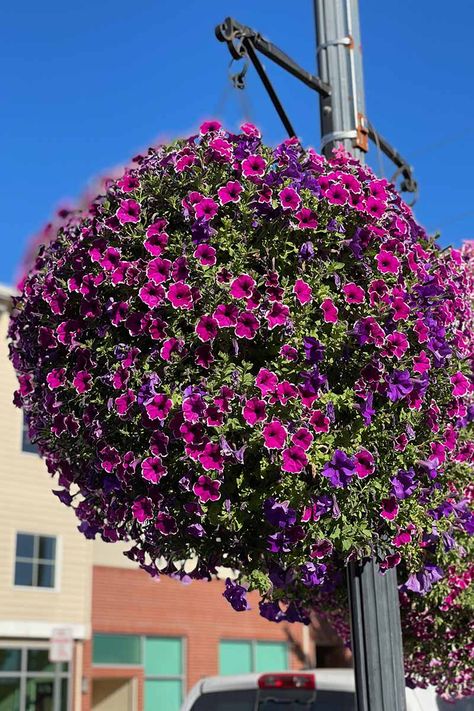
(26, 672)
(244, 656)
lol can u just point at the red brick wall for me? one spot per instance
(130, 602)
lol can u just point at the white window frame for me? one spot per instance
(36, 561)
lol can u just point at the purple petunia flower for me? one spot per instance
(236, 595)
(279, 514)
(399, 384)
(340, 469)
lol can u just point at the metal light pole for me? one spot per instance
(373, 598)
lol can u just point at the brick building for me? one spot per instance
(139, 644)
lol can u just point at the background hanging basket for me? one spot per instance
(254, 357)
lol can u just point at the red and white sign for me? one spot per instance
(61, 645)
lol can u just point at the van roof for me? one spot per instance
(340, 679)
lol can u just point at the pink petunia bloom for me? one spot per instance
(389, 508)
(207, 489)
(214, 418)
(211, 457)
(142, 509)
(254, 411)
(192, 432)
(180, 296)
(254, 165)
(254, 300)
(294, 460)
(128, 183)
(209, 127)
(124, 402)
(461, 384)
(151, 294)
(110, 259)
(156, 243)
(247, 325)
(158, 270)
(319, 421)
(401, 309)
(129, 211)
(353, 294)
(159, 407)
(286, 391)
(421, 331)
(56, 378)
(330, 311)
(153, 470)
(184, 162)
(193, 408)
(302, 438)
(242, 287)
(306, 219)
(250, 130)
(365, 463)
(170, 346)
(226, 315)
(336, 195)
(205, 254)
(207, 328)
(82, 381)
(375, 207)
(289, 199)
(204, 356)
(230, 192)
(274, 435)
(222, 147)
(289, 353)
(421, 362)
(206, 209)
(387, 263)
(266, 381)
(396, 345)
(277, 315)
(303, 291)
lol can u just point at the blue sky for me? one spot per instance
(86, 85)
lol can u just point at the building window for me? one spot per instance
(26, 444)
(35, 560)
(246, 656)
(28, 680)
(160, 657)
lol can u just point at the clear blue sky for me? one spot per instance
(87, 84)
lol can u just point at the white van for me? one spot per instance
(318, 690)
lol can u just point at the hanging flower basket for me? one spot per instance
(250, 356)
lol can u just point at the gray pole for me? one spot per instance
(373, 598)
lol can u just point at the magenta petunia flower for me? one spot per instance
(151, 294)
(222, 147)
(289, 353)
(205, 254)
(277, 315)
(206, 209)
(274, 435)
(142, 509)
(110, 259)
(250, 130)
(158, 270)
(180, 296)
(330, 311)
(303, 291)
(254, 411)
(254, 165)
(375, 207)
(461, 384)
(321, 548)
(56, 378)
(289, 199)
(401, 309)
(82, 381)
(204, 356)
(193, 408)
(294, 460)
(266, 381)
(207, 328)
(319, 421)
(207, 489)
(307, 219)
(286, 391)
(166, 524)
(421, 362)
(129, 211)
(230, 192)
(211, 457)
(152, 469)
(336, 195)
(302, 438)
(226, 315)
(155, 242)
(211, 126)
(159, 407)
(170, 346)
(396, 345)
(421, 331)
(389, 508)
(242, 287)
(387, 263)
(353, 294)
(128, 183)
(247, 325)
(364, 463)
(124, 402)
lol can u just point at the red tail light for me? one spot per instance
(287, 681)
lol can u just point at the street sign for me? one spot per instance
(61, 645)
